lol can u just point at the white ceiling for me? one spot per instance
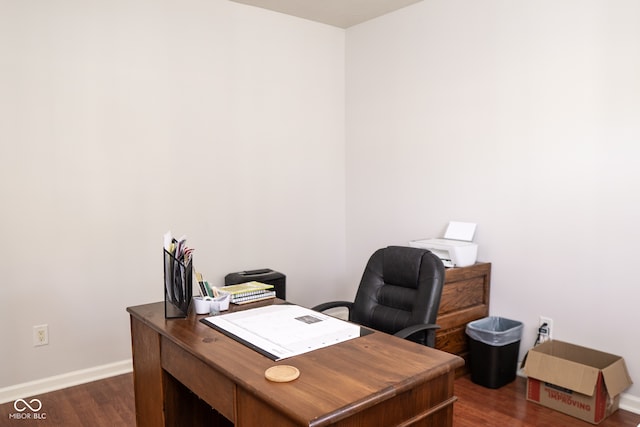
(340, 13)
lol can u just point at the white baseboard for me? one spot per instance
(630, 403)
(57, 382)
(33, 388)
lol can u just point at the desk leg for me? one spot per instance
(147, 375)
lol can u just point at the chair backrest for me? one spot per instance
(401, 286)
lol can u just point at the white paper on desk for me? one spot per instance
(285, 330)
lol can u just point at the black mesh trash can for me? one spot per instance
(494, 343)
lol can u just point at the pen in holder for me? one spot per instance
(178, 289)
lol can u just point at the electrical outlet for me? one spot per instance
(545, 328)
(40, 335)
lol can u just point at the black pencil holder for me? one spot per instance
(178, 282)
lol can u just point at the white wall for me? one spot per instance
(120, 120)
(523, 117)
(113, 115)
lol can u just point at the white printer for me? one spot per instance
(456, 248)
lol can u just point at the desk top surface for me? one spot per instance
(336, 379)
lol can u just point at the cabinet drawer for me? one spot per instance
(462, 294)
(460, 318)
(452, 340)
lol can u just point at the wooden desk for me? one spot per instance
(186, 373)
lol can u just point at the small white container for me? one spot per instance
(201, 305)
(221, 302)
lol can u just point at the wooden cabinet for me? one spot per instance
(465, 297)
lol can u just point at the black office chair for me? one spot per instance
(399, 294)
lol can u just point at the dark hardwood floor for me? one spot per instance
(508, 406)
(109, 402)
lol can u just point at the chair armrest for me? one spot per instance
(333, 304)
(429, 327)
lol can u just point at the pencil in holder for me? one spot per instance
(178, 291)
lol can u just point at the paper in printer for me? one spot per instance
(456, 248)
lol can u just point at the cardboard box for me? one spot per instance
(578, 381)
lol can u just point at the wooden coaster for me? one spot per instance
(282, 373)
